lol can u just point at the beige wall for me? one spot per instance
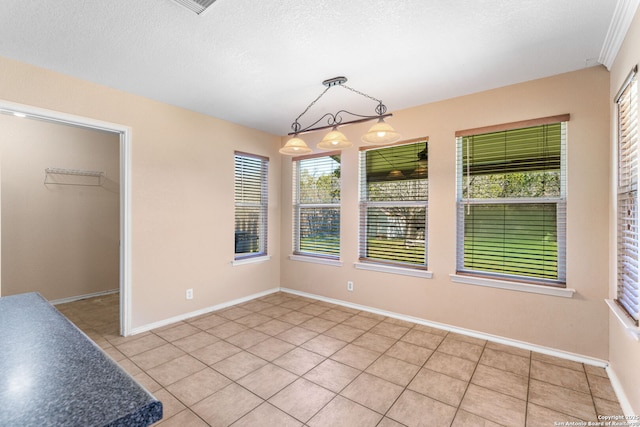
(624, 351)
(579, 324)
(59, 240)
(182, 221)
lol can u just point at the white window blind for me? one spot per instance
(627, 219)
(251, 205)
(394, 189)
(511, 203)
(316, 205)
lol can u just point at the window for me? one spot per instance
(250, 205)
(393, 204)
(627, 220)
(511, 201)
(316, 205)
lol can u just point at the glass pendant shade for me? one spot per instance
(395, 174)
(334, 140)
(380, 134)
(419, 172)
(295, 146)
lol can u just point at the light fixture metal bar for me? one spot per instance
(335, 123)
(334, 120)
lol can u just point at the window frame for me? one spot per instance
(263, 205)
(376, 264)
(299, 206)
(627, 177)
(504, 280)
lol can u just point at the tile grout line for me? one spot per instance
(468, 385)
(416, 374)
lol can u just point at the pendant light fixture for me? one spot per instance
(295, 147)
(423, 162)
(380, 133)
(334, 140)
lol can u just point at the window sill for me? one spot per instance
(316, 260)
(250, 260)
(622, 317)
(393, 270)
(513, 286)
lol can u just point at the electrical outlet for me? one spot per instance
(350, 286)
(189, 294)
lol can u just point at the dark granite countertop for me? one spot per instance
(52, 374)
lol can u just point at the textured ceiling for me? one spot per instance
(259, 63)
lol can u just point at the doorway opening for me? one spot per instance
(56, 178)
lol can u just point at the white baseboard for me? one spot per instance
(85, 296)
(206, 310)
(501, 340)
(622, 397)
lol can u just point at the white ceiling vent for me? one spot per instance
(197, 6)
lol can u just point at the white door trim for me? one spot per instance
(8, 107)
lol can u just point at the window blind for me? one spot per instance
(316, 206)
(511, 204)
(251, 203)
(394, 191)
(627, 218)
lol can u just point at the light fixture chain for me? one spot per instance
(360, 93)
(380, 108)
(295, 126)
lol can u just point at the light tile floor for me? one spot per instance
(285, 360)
